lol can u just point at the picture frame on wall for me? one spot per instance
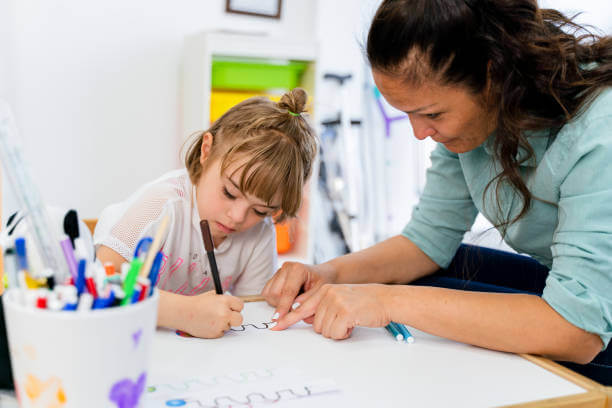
(259, 8)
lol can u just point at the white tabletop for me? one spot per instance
(368, 369)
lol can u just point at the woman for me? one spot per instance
(521, 108)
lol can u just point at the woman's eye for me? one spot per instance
(432, 115)
(227, 194)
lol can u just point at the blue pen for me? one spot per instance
(136, 294)
(155, 270)
(394, 331)
(143, 246)
(404, 331)
(22, 259)
(79, 283)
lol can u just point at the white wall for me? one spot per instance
(95, 87)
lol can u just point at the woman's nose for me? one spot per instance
(421, 129)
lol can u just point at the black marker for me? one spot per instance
(210, 251)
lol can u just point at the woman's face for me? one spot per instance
(450, 115)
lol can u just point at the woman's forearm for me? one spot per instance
(395, 260)
(515, 323)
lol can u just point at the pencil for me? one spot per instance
(210, 251)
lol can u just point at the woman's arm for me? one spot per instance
(396, 260)
(507, 322)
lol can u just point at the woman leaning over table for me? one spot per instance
(520, 106)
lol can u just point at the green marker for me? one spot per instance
(130, 281)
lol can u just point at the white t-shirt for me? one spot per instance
(245, 260)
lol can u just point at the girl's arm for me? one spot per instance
(207, 315)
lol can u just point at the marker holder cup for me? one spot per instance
(76, 359)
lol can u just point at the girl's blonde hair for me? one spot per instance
(275, 141)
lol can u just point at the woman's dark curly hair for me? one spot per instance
(538, 68)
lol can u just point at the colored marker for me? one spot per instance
(22, 259)
(394, 331)
(210, 251)
(404, 331)
(80, 279)
(155, 271)
(70, 259)
(130, 281)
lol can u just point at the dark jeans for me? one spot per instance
(488, 270)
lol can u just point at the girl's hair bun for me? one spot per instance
(294, 101)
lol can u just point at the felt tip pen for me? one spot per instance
(69, 255)
(85, 302)
(155, 271)
(130, 281)
(22, 259)
(210, 251)
(80, 278)
(394, 331)
(404, 331)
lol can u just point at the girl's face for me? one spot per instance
(450, 115)
(222, 203)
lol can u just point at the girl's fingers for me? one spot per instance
(235, 319)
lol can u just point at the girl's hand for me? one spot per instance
(283, 288)
(337, 309)
(210, 315)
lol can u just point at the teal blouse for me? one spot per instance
(568, 227)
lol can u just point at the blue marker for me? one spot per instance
(22, 259)
(143, 246)
(155, 270)
(391, 328)
(80, 280)
(404, 331)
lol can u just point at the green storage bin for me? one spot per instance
(256, 75)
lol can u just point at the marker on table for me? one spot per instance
(405, 333)
(391, 328)
(210, 251)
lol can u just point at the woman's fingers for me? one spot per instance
(302, 312)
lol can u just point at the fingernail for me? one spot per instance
(271, 325)
(275, 316)
(295, 305)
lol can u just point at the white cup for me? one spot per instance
(79, 359)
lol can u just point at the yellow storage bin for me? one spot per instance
(221, 101)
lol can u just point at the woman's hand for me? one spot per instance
(293, 277)
(210, 315)
(337, 309)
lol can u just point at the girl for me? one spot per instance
(249, 166)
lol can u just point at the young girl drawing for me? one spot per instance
(250, 166)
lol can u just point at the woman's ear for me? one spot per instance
(207, 142)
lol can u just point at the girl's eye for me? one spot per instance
(227, 194)
(433, 115)
(259, 213)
